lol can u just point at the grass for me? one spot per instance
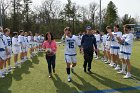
(32, 77)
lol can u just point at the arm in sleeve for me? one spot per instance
(82, 41)
(128, 40)
(94, 43)
(55, 47)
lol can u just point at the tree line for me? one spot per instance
(53, 16)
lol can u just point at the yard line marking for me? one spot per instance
(113, 90)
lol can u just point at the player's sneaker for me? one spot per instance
(97, 58)
(9, 69)
(1, 75)
(50, 75)
(17, 64)
(69, 79)
(5, 71)
(128, 75)
(117, 68)
(122, 72)
(107, 62)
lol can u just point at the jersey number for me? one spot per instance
(71, 44)
(9, 43)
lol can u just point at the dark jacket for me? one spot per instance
(88, 42)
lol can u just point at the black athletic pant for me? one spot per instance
(51, 62)
(88, 57)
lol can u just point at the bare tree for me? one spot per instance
(4, 5)
(93, 8)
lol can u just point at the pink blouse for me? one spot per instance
(52, 45)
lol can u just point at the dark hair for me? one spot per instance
(116, 26)
(15, 33)
(50, 34)
(42, 35)
(127, 26)
(21, 31)
(30, 33)
(6, 30)
(97, 31)
(108, 27)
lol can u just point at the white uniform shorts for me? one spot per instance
(22, 49)
(114, 51)
(3, 55)
(98, 45)
(124, 55)
(16, 50)
(69, 58)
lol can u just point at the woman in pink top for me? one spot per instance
(50, 46)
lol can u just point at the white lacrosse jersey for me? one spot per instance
(2, 41)
(21, 39)
(70, 45)
(114, 42)
(104, 39)
(128, 44)
(35, 38)
(15, 43)
(26, 40)
(108, 41)
(9, 42)
(98, 37)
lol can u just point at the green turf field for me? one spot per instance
(32, 77)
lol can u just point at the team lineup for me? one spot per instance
(115, 45)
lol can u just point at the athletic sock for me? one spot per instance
(123, 67)
(68, 71)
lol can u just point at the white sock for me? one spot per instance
(123, 67)
(118, 65)
(128, 73)
(68, 76)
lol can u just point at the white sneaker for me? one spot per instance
(127, 76)
(97, 58)
(16, 64)
(9, 69)
(5, 71)
(1, 75)
(69, 79)
(122, 72)
(113, 65)
(106, 62)
(110, 63)
(117, 68)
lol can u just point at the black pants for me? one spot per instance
(51, 62)
(88, 57)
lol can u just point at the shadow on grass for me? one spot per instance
(85, 86)
(61, 86)
(41, 54)
(35, 60)
(111, 83)
(23, 69)
(5, 84)
(135, 73)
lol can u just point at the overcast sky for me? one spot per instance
(131, 7)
